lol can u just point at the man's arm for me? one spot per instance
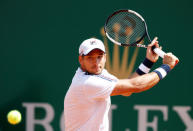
(151, 56)
(136, 85)
(146, 81)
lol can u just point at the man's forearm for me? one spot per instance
(144, 82)
(137, 84)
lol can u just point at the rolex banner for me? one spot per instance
(39, 56)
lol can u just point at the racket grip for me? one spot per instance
(159, 52)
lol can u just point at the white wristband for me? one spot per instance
(162, 71)
(144, 67)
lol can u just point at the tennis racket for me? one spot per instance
(128, 28)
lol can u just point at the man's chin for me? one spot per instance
(97, 72)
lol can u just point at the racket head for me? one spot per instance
(126, 28)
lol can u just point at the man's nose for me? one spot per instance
(96, 60)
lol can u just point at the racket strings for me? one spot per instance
(128, 27)
(128, 24)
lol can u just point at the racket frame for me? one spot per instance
(136, 44)
(133, 44)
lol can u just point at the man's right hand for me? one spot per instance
(170, 60)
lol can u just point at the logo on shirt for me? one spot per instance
(106, 78)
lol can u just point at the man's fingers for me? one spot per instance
(153, 42)
(170, 55)
(156, 44)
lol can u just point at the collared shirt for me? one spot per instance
(87, 101)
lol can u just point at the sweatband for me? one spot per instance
(144, 67)
(162, 71)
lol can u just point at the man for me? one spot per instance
(87, 101)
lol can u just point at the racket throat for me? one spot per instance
(140, 45)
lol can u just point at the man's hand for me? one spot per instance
(170, 60)
(149, 53)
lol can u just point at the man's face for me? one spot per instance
(93, 62)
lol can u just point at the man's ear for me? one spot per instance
(80, 59)
(105, 57)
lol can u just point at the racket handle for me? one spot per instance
(159, 52)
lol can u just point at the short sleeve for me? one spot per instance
(99, 87)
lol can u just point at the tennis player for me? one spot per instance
(87, 101)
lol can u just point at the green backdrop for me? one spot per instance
(39, 41)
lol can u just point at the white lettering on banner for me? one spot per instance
(183, 114)
(62, 127)
(110, 116)
(143, 124)
(143, 110)
(30, 116)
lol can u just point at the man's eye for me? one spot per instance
(100, 56)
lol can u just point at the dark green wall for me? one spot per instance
(39, 43)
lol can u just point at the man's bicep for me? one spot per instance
(123, 86)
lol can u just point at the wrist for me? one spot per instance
(152, 58)
(144, 67)
(162, 71)
(171, 67)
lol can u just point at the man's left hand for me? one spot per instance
(149, 53)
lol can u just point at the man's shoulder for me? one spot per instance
(83, 77)
(108, 75)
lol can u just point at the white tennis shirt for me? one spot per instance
(87, 102)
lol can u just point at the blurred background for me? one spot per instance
(39, 41)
